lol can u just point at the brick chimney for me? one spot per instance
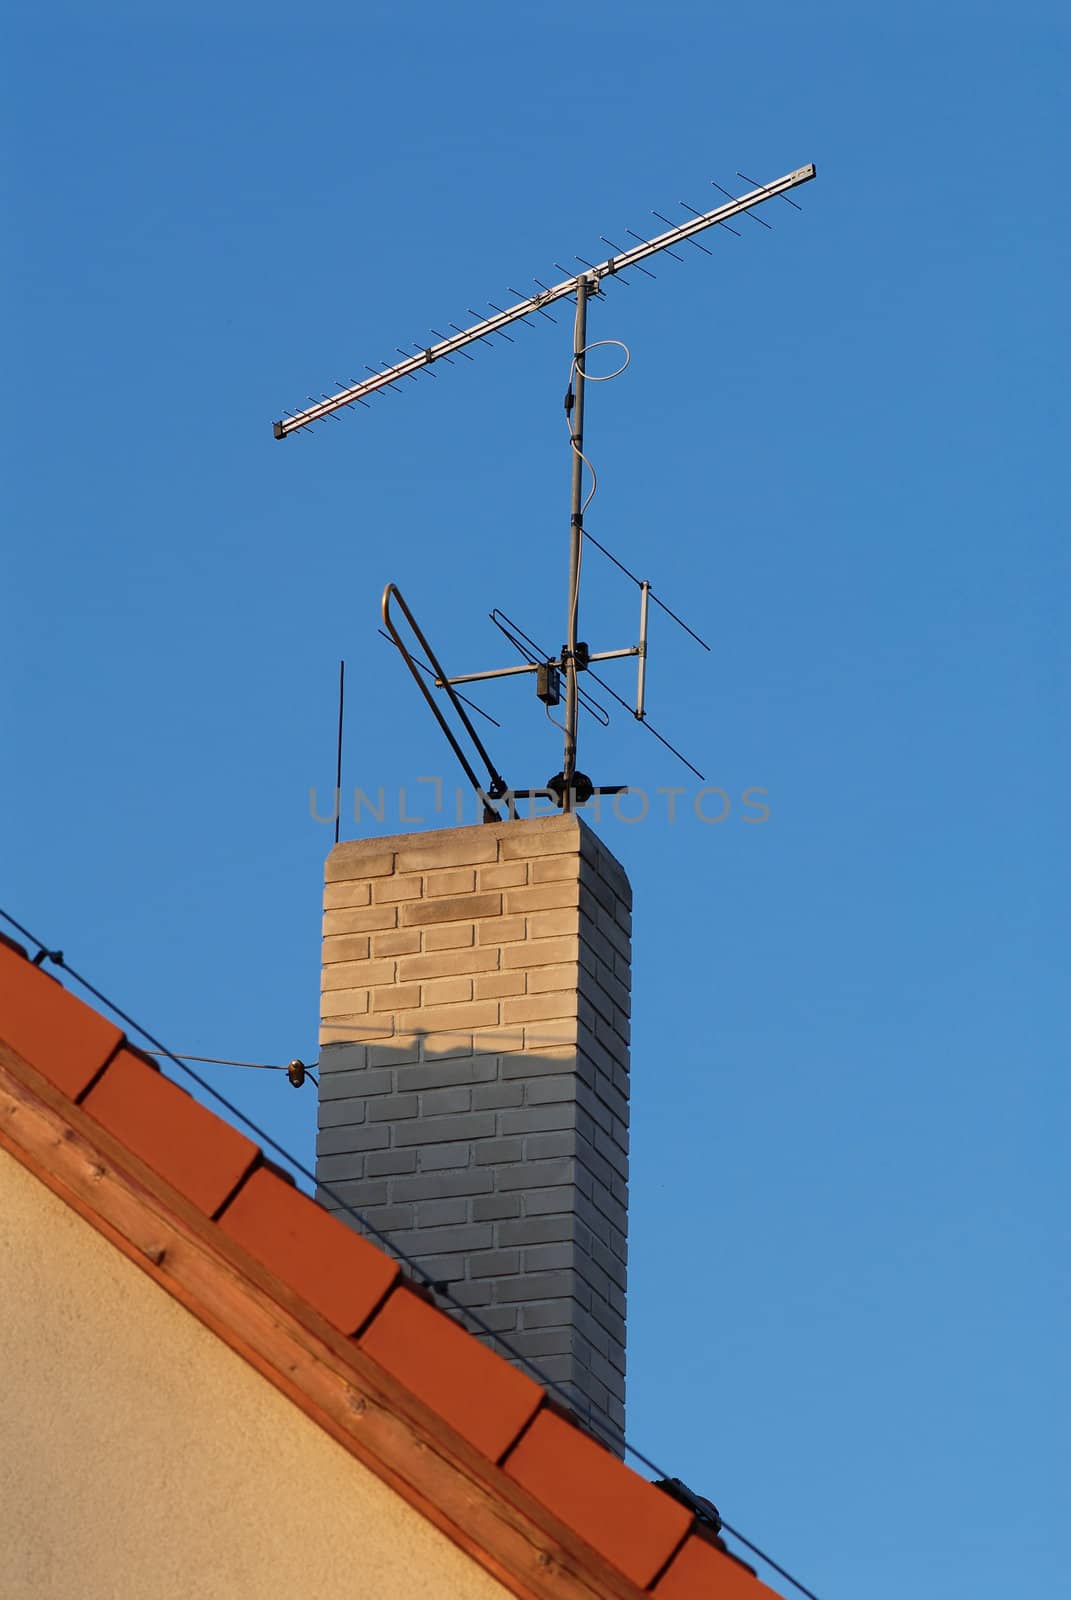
(474, 1078)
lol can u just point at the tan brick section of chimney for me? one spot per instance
(474, 1078)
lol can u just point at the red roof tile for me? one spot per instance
(700, 1569)
(203, 1157)
(64, 1039)
(481, 1396)
(329, 1265)
(625, 1518)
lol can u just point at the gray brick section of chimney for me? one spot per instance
(474, 1079)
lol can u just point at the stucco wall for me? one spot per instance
(139, 1456)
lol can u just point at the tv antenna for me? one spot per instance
(570, 787)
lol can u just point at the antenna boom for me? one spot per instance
(537, 302)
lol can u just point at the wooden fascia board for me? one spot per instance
(351, 1397)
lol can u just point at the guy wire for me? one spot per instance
(551, 1384)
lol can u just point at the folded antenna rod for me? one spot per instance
(496, 784)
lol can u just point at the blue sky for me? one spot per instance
(836, 452)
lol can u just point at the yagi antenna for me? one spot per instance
(569, 787)
(620, 262)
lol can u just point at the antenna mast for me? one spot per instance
(575, 403)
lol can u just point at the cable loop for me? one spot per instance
(605, 376)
